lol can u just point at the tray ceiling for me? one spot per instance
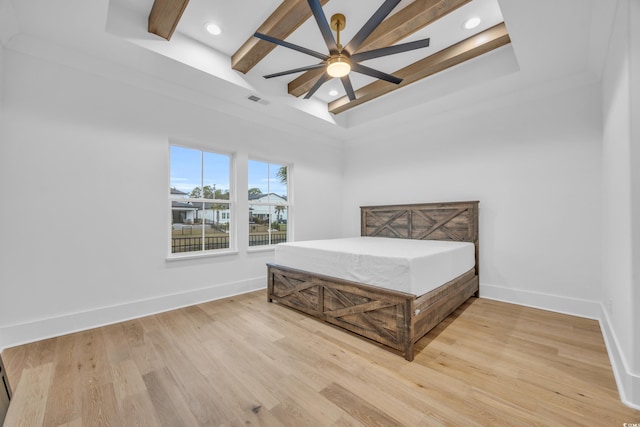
(440, 20)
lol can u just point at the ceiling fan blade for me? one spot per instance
(371, 25)
(346, 82)
(323, 78)
(323, 24)
(291, 46)
(390, 50)
(296, 70)
(359, 68)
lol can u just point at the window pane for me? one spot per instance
(258, 178)
(217, 170)
(258, 225)
(268, 202)
(186, 172)
(199, 225)
(278, 227)
(267, 224)
(277, 183)
(186, 227)
(217, 224)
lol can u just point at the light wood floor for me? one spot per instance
(242, 361)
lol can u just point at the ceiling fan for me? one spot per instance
(342, 60)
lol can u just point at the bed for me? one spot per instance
(389, 316)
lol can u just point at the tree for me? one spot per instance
(282, 174)
(208, 192)
(255, 191)
(196, 193)
(279, 209)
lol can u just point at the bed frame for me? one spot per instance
(392, 318)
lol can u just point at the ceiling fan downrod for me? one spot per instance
(338, 64)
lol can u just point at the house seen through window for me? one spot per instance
(200, 200)
(269, 208)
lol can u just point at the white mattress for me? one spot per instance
(412, 266)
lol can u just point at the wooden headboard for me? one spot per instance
(457, 221)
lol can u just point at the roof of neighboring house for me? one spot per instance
(195, 205)
(260, 196)
(184, 205)
(179, 192)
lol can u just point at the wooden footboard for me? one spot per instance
(433, 307)
(395, 319)
(379, 314)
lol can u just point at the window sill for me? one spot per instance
(172, 258)
(267, 248)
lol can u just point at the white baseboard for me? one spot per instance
(559, 304)
(628, 382)
(13, 335)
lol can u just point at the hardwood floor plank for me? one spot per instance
(139, 411)
(93, 364)
(242, 361)
(34, 391)
(99, 406)
(127, 380)
(358, 407)
(290, 414)
(65, 401)
(169, 405)
(200, 397)
(319, 408)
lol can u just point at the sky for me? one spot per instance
(188, 165)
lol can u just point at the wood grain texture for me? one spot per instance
(165, 16)
(396, 27)
(280, 24)
(465, 50)
(242, 361)
(394, 319)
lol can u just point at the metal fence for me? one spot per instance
(263, 239)
(191, 244)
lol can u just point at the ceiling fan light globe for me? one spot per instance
(339, 66)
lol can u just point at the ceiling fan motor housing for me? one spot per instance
(338, 65)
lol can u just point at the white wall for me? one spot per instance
(1, 72)
(1, 144)
(534, 165)
(621, 200)
(617, 275)
(82, 152)
(634, 49)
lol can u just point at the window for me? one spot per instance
(269, 208)
(200, 200)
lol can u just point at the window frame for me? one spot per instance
(231, 202)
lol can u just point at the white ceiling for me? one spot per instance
(553, 42)
(240, 19)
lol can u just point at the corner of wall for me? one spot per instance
(628, 383)
(8, 22)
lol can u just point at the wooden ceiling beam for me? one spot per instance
(164, 17)
(465, 50)
(282, 22)
(398, 26)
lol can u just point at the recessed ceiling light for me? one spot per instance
(213, 29)
(333, 92)
(471, 23)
